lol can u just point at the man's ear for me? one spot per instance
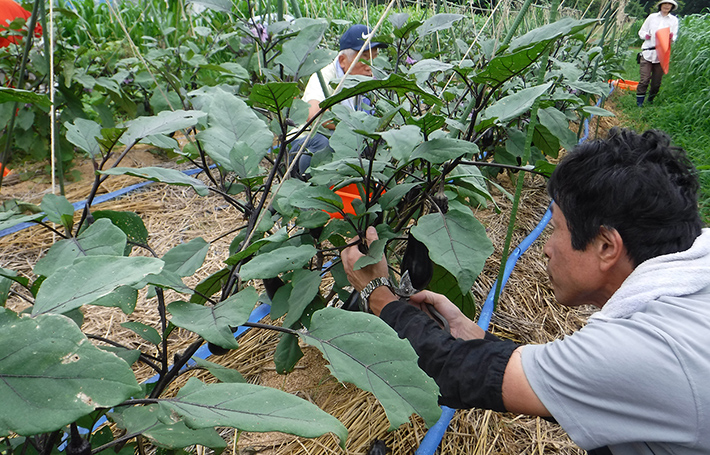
(343, 61)
(611, 249)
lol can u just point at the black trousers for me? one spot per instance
(651, 74)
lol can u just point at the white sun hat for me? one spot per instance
(672, 2)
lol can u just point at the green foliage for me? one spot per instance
(383, 363)
(229, 86)
(49, 382)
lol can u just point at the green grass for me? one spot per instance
(682, 107)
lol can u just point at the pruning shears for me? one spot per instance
(406, 290)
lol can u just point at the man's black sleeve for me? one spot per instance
(469, 372)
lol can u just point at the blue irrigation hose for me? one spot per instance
(435, 434)
(97, 200)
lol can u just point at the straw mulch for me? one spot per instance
(527, 313)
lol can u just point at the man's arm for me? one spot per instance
(470, 369)
(313, 110)
(645, 30)
(518, 396)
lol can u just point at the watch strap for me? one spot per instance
(369, 289)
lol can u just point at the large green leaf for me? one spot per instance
(14, 95)
(165, 122)
(59, 210)
(12, 214)
(315, 197)
(220, 372)
(148, 333)
(595, 88)
(109, 138)
(50, 374)
(300, 56)
(335, 172)
(507, 65)
(5, 284)
(363, 350)
(546, 141)
(287, 353)
(423, 69)
(305, 287)
(550, 32)
(438, 22)
(213, 323)
(595, 110)
(402, 141)
(153, 422)
(456, 241)
(123, 297)
(209, 286)
(469, 180)
(392, 197)
(394, 82)
(90, 278)
(102, 238)
(271, 264)
(83, 133)
(514, 105)
(130, 223)
(556, 123)
(243, 161)
(186, 258)
(428, 123)
(250, 407)
(164, 175)
(231, 121)
(279, 236)
(274, 96)
(437, 151)
(442, 282)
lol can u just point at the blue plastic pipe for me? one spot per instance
(97, 200)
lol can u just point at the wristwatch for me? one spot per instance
(369, 289)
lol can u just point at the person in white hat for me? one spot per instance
(651, 71)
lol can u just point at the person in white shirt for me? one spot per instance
(350, 44)
(651, 71)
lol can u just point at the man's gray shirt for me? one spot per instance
(635, 378)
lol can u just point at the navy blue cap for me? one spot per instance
(353, 38)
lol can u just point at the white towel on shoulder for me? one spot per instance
(672, 275)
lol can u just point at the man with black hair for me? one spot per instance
(627, 238)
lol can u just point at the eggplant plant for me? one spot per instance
(441, 128)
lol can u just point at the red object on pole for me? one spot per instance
(9, 11)
(663, 47)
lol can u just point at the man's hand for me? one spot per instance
(359, 278)
(461, 326)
